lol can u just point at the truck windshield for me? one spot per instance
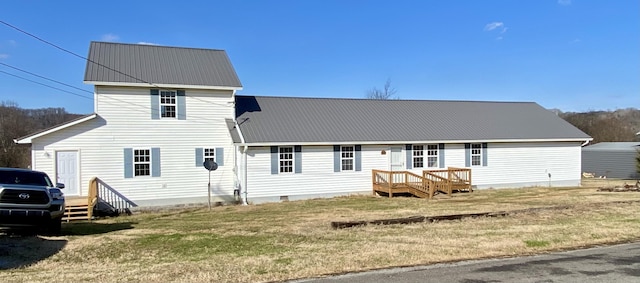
(24, 178)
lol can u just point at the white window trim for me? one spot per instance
(414, 156)
(352, 158)
(293, 160)
(436, 156)
(205, 156)
(479, 154)
(173, 93)
(133, 162)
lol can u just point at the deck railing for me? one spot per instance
(107, 199)
(431, 181)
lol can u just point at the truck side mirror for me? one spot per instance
(60, 185)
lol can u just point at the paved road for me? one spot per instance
(619, 263)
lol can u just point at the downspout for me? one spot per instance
(585, 143)
(245, 201)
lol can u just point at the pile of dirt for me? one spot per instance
(623, 188)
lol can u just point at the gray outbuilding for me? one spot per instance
(611, 159)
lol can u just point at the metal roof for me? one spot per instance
(143, 64)
(613, 146)
(311, 120)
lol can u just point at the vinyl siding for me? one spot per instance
(610, 163)
(509, 165)
(124, 122)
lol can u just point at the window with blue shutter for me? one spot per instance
(182, 105)
(358, 158)
(467, 155)
(155, 162)
(155, 104)
(409, 152)
(199, 157)
(274, 160)
(475, 154)
(219, 153)
(297, 153)
(141, 162)
(441, 154)
(128, 162)
(484, 154)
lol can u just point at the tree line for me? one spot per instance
(606, 126)
(16, 122)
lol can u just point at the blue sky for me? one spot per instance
(575, 55)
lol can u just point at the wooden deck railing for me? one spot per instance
(431, 181)
(456, 178)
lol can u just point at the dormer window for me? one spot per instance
(168, 104)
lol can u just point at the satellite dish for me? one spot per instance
(210, 165)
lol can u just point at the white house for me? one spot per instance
(160, 111)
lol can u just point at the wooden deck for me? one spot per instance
(425, 186)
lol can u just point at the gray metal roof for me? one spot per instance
(235, 135)
(290, 119)
(613, 146)
(138, 63)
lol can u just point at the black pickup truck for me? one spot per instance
(28, 199)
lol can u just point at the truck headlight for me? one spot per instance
(56, 194)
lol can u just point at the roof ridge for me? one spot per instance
(386, 100)
(157, 45)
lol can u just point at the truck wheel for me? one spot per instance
(54, 226)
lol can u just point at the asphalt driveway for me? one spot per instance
(619, 263)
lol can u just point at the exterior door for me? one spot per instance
(397, 159)
(67, 172)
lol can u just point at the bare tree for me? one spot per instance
(387, 92)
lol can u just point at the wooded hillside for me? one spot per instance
(16, 122)
(606, 126)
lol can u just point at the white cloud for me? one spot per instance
(564, 2)
(494, 25)
(110, 37)
(147, 43)
(4, 56)
(12, 42)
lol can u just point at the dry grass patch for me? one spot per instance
(290, 240)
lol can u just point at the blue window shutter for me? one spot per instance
(182, 106)
(441, 155)
(155, 162)
(128, 163)
(409, 150)
(358, 157)
(467, 155)
(220, 156)
(336, 158)
(297, 153)
(484, 154)
(199, 157)
(155, 104)
(274, 160)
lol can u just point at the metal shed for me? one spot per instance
(611, 159)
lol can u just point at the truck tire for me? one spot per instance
(54, 227)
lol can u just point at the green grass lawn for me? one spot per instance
(281, 241)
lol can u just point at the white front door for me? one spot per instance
(67, 172)
(397, 159)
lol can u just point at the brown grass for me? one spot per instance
(281, 241)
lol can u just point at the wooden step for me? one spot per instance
(76, 212)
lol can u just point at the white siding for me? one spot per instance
(509, 165)
(124, 121)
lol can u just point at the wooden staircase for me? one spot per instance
(425, 186)
(76, 209)
(81, 208)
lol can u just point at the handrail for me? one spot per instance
(92, 197)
